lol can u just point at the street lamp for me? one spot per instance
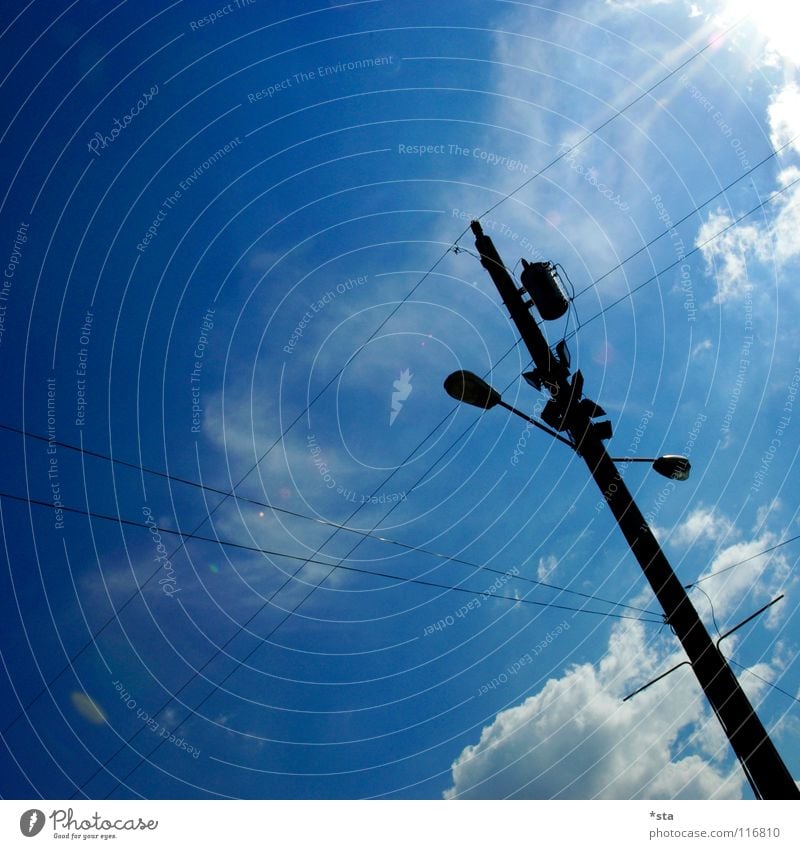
(471, 389)
(674, 466)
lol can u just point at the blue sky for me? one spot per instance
(216, 224)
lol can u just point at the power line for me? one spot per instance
(774, 686)
(333, 568)
(740, 562)
(687, 255)
(711, 605)
(613, 117)
(687, 216)
(326, 522)
(274, 553)
(193, 712)
(673, 226)
(319, 394)
(241, 480)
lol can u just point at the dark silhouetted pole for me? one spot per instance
(762, 764)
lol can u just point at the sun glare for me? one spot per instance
(776, 21)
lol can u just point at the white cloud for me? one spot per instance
(637, 4)
(786, 229)
(762, 514)
(728, 255)
(736, 592)
(547, 566)
(759, 241)
(577, 739)
(784, 117)
(703, 523)
(768, 27)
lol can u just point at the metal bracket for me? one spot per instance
(664, 675)
(726, 634)
(749, 618)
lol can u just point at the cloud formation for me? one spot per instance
(576, 739)
(775, 241)
(702, 524)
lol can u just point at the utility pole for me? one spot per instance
(568, 411)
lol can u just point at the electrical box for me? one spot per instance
(540, 281)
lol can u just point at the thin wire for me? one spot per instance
(217, 686)
(274, 553)
(688, 254)
(655, 239)
(241, 480)
(711, 604)
(572, 307)
(687, 216)
(71, 660)
(611, 118)
(558, 265)
(740, 562)
(326, 522)
(463, 250)
(305, 560)
(774, 686)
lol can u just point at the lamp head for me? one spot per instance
(471, 389)
(673, 466)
